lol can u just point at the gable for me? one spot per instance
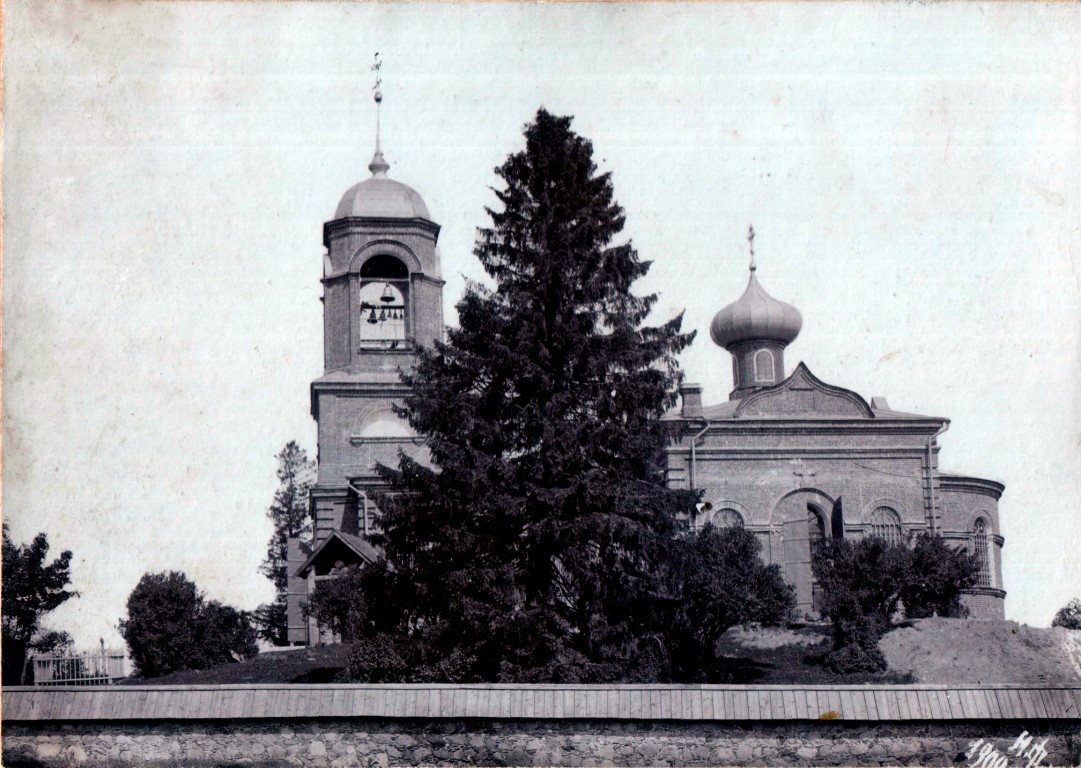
(338, 548)
(802, 394)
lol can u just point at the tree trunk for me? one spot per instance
(26, 660)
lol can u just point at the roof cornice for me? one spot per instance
(969, 484)
(384, 224)
(802, 425)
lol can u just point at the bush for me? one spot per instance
(1069, 615)
(171, 626)
(937, 576)
(711, 580)
(865, 582)
(338, 603)
(718, 580)
(861, 587)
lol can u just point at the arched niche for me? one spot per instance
(384, 247)
(380, 421)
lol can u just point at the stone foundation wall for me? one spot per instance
(371, 742)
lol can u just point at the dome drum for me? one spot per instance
(756, 363)
(755, 329)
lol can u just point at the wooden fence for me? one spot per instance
(94, 668)
(863, 703)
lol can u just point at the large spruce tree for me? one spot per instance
(531, 549)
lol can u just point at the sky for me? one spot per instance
(912, 173)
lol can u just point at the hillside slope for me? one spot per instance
(925, 651)
(966, 651)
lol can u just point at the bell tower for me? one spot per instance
(382, 298)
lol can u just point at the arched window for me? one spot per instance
(886, 525)
(763, 366)
(982, 548)
(728, 518)
(384, 287)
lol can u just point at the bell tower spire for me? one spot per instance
(378, 166)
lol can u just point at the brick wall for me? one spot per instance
(987, 605)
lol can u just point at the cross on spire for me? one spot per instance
(750, 241)
(378, 166)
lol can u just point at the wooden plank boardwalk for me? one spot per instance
(862, 703)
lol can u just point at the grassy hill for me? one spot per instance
(321, 664)
(928, 650)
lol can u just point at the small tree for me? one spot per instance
(226, 634)
(31, 589)
(717, 581)
(937, 575)
(865, 582)
(345, 604)
(1069, 615)
(339, 603)
(170, 627)
(861, 585)
(290, 516)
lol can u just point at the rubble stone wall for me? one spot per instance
(377, 743)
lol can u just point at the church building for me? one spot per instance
(789, 457)
(796, 460)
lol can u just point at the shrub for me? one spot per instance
(1069, 615)
(718, 580)
(865, 582)
(338, 603)
(937, 576)
(170, 627)
(711, 580)
(861, 586)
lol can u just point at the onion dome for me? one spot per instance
(756, 316)
(382, 197)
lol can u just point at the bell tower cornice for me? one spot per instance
(385, 226)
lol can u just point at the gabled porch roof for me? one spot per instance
(337, 544)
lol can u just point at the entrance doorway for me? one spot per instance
(806, 522)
